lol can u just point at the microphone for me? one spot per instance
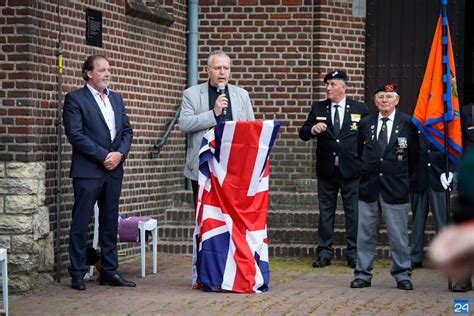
(220, 91)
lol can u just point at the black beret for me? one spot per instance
(336, 74)
(388, 87)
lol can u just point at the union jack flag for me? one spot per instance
(230, 239)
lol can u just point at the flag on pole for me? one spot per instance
(230, 240)
(431, 112)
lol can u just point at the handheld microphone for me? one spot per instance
(220, 91)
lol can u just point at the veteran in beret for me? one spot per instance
(334, 123)
(389, 148)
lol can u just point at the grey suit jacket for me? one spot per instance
(196, 119)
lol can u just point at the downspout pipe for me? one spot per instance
(193, 37)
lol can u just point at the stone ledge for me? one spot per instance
(153, 13)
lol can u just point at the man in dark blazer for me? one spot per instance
(427, 192)
(334, 122)
(99, 131)
(389, 148)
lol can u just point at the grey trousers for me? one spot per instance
(396, 221)
(421, 203)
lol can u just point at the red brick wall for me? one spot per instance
(281, 50)
(149, 70)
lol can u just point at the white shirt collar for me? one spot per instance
(95, 92)
(391, 117)
(341, 103)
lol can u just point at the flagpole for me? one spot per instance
(447, 94)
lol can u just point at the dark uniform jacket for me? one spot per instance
(467, 126)
(329, 145)
(387, 173)
(89, 135)
(431, 165)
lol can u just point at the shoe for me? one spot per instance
(416, 265)
(77, 283)
(117, 280)
(352, 263)
(405, 285)
(359, 283)
(462, 286)
(321, 262)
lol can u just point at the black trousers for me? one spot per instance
(106, 191)
(328, 189)
(195, 187)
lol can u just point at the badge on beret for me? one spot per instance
(389, 88)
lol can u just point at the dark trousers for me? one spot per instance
(195, 187)
(106, 191)
(421, 202)
(328, 189)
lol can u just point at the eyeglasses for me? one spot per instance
(388, 96)
(219, 68)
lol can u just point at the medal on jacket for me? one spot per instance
(402, 145)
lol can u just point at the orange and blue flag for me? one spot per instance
(438, 102)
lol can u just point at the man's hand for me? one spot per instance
(318, 128)
(220, 104)
(112, 160)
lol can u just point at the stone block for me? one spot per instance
(46, 254)
(21, 204)
(5, 242)
(40, 223)
(19, 186)
(21, 263)
(2, 169)
(22, 243)
(10, 224)
(30, 170)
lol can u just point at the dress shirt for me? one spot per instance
(106, 109)
(389, 124)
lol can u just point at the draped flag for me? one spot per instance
(230, 239)
(430, 112)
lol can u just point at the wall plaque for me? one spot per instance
(93, 27)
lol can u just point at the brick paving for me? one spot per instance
(295, 289)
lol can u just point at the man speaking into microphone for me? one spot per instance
(207, 104)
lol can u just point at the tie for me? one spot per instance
(336, 121)
(383, 134)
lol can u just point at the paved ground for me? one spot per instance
(295, 289)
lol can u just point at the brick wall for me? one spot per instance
(149, 70)
(281, 50)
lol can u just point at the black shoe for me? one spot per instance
(359, 283)
(77, 283)
(462, 286)
(352, 263)
(416, 265)
(405, 285)
(321, 262)
(117, 280)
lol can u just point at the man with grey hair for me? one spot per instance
(389, 149)
(334, 122)
(207, 104)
